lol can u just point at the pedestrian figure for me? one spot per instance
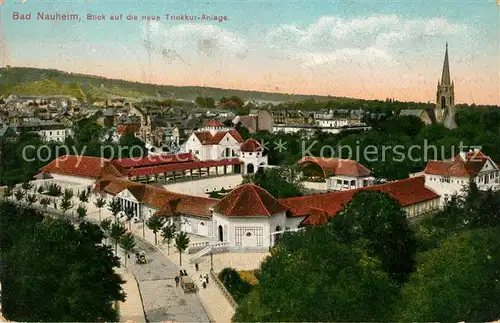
(196, 266)
(206, 278)
(177, 281)
(185, 272)
(204, 285)
(181, 273)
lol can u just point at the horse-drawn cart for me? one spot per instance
(187, 284)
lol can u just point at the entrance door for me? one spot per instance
(221, 234)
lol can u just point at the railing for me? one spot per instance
(219, 244)
(199, 244)
(200, 253)
(224, 290)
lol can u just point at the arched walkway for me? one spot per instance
(221, 233)
(250, 169)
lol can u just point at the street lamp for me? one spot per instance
(211, 261)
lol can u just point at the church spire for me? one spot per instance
(445, 78)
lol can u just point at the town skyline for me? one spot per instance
(355, 50)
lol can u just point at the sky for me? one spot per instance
(361, 49)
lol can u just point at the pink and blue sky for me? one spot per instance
(363, 49)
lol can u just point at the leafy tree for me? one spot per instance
(276, 182)
(66, 204)
(7, 192)
(31, 198)
(181, 244)
(168, 234)
(457, 281)
(237, 287)
(49, 269)
(129, 214)
(26, 186)
(45, 201)
(127, 243)
(131, 146)
(54, 190)
(377, 221)
(68, 194)
(116, 232)
(19, 195)
(83, 196)
(40, 189)
(310, 264)
(81, 211)
(100, 203)
(106, 227)
(155, 223)
(114, 207)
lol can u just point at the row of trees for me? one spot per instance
(369, 264)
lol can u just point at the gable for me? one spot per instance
(228, 139)
(127, 195)
(489, 166)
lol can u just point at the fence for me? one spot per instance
(224, 290)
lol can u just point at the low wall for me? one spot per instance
(224, 290)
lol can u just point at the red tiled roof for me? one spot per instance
(475, 155)
(83, 166)
(154, 160)
(406, 192)
(168, 203)
(251, 145)
(249, 200)
(335, 166)
(128, 128)
(178, 167)
(213, 123)
(206, 138)
(455, 167)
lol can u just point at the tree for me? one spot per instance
(40, 189)
(155, 223)
(168, 234)
(106, 227)
(45, 201)
(129, 214)
(31, 198)
(457, 281)
(127, 243)
(49, 270)
(237, 287)
(100, 203)
(83, 196)
(181, 244)
(81, 211)
(115, 233)
(131, 146)
(114, 207)
(68, 194)
(19, 195)
(308, 265)
(378, 222)
(26, 186)
(65, 204)
(7, 192)
(276, 182)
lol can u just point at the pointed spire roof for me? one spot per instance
(445, 78)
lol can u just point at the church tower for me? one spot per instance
(445, 97)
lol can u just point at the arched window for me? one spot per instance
(250, 169)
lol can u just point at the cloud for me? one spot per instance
(333, 39)
(191, 42)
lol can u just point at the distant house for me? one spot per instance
(47, 130)
(258, 120)
(8, 134)
(422, 114)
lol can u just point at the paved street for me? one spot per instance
(162, 301)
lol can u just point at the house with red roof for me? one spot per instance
(216, 141)
(452, 176)
(334, 174)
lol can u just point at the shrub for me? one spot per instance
(237, 287)
(54, 190)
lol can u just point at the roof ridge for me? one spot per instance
(260, 199)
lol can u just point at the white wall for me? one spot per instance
(200, 187)
(446, 186)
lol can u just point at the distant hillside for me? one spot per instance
(34, 81)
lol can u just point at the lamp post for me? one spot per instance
(211, 261)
